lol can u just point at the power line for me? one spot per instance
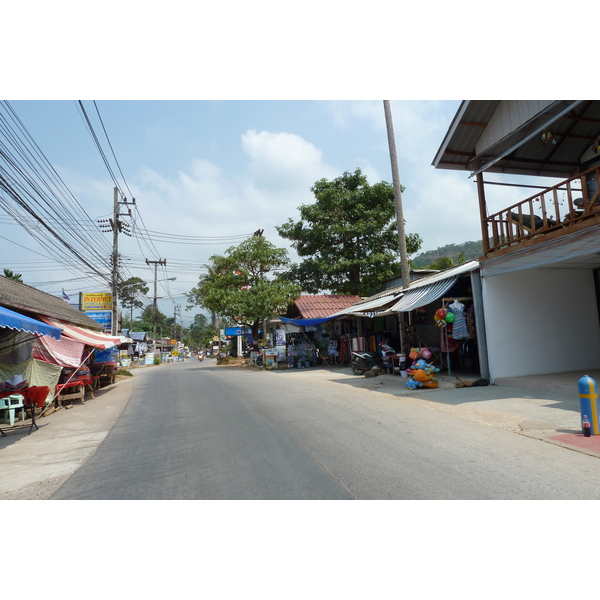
(111, 149)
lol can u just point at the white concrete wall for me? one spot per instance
(541, 321)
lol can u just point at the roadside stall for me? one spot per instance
(97, 366)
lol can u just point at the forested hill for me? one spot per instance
(465, 251)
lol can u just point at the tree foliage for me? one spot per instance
(200, 332)
(457, 252)
(146, 322)
(130, 290)
(11, 275)
(348, 237)
(238, 284)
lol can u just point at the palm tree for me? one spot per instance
(10, 275)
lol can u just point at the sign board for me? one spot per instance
(96, 302)
(104, 317)
(231, 331)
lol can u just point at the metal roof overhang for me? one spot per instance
(580, 250)
(574, 123)
(19, 322)
(427, 290)
(369, 305)
(520, 136)
(423, 295)
(421, 292)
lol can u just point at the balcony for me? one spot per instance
(561, 210)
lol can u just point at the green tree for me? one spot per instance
(129, 292)
(200, 332)
(238, 285)
(441, 263)
(10, 275)
(146, 323)
(348, 237)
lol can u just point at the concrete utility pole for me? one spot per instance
(117, 226)
(397, 196)
(154, 314)
(115, 266)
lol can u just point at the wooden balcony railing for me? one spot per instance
(553, 209)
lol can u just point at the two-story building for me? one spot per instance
(535, 167)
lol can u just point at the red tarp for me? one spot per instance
(64, 352)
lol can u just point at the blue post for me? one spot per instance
(588, 403)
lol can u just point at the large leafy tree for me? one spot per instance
(240, 285)
(129, 294)
(348, 238)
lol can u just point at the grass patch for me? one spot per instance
(124, 372)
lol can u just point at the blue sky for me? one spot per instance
(227, 168)
(221, 123)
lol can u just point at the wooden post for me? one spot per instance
(483, 214)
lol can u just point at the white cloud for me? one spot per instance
(283, 159)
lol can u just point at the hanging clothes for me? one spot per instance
(459, 327)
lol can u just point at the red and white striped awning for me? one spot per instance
(97, 339)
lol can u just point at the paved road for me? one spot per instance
(196, 431)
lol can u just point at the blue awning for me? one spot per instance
(305, 322)
(19, 322)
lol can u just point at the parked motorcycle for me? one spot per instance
(386, 350)
(364, 363)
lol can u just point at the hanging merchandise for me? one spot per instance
(459, 326)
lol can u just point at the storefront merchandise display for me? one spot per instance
(302, 355)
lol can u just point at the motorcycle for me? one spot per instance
(365, 363)
(368, 363)
(200, 356)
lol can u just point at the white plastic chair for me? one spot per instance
(10, 404)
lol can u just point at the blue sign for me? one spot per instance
(104, 317)
(231, 331)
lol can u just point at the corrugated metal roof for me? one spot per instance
(319, 306)
(423, 288)
(574, 133)
(369, 305)
(21, 297)
(424, 295)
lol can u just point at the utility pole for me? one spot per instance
(154, 314)
(116, 226)
(176, 313)
(397, 196)
(115, 266)
(399, 214)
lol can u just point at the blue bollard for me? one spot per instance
(588, 403)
